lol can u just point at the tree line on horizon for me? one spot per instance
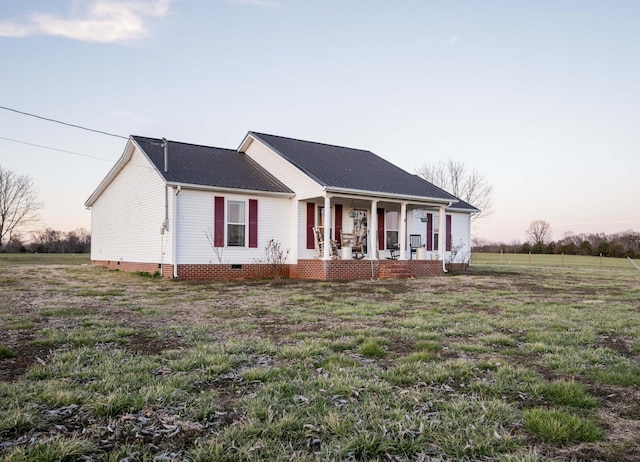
(619, 245)
(49, 240)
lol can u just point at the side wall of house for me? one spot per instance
(127, 217)
(460, 234)
(461, 238)
(196, 228)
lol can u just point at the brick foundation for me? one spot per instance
(364, 269)
(227, 272)
(132, 267)
(305, 269)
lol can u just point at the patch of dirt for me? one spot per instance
(401, 346)
(618, 345)
(26, 355)
(144, 344)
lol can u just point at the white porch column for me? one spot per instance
(327, 228)
(295, 236)
(442, 233)
(373, 231)
(402, 237)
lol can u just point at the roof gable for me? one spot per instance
(347, 168)
(209, 166)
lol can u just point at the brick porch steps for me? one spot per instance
(391, 269)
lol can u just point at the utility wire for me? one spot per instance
(63, 123)
(145, 167)
(56, 149)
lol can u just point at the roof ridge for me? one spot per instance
(311, 142)
(183, 142)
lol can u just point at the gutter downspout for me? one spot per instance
(443, 226)
(165, 223)
(174, 235)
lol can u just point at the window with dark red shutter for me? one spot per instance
(338, 226)
(218, 222)
(380, 214)
(253, 223)
(311, 222)
(429, 231)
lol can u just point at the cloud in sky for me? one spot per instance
(99, 21)
(262, 3)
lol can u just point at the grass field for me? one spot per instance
(44, 259)
(499, 364)
(519, 259)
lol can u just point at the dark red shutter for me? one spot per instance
(311, 222)
(429, 231)
(338, 226)
(253, 223)
(448, 233)
(381, 229)
(218, 223)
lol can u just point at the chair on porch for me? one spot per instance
(350, 240)
(415, 241)
(394, 251)
(319, 235)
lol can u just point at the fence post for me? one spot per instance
(562, 258)
(529, 258)
(600, 261)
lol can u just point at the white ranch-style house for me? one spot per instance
(190, 211)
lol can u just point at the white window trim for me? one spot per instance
(227, 222)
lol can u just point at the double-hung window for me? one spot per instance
(392, 229)
(236, 224)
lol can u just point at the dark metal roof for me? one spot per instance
(209, 166)
(460, 205)
(347, 168)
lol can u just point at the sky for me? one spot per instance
(542, 98)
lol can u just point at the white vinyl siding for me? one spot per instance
(196, 228)
(291, 176)
(127, 217)
(460, 236)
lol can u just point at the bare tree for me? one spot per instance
(19, 203)
(462, 181)
(539, 232)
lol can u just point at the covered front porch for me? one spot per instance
(359, 226)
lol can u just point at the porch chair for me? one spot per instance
(415, 241)
(350, 240)
(394, 251)
(319, 235)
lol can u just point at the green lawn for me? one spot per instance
(44, 259)
(498, 364)
(518, 259)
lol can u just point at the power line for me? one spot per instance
(64, 123)
(55, 149)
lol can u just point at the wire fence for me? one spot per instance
(45, 258)
(521, 259)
